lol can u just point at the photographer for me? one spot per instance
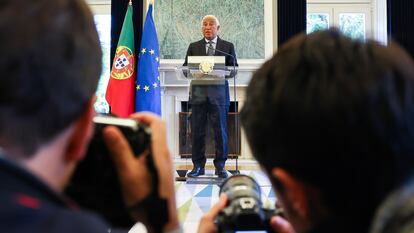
(331, 120)
(50, 66)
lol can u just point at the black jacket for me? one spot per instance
(198, 48)
(27, 205)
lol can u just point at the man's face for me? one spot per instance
(210, 28)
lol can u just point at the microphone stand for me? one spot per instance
(236, 121)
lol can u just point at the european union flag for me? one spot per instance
(148, 94)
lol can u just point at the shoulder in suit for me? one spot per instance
(198, 48)
(227, 47)
(195, 49)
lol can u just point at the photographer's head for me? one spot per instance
(49, 71)
(331, 120)
(50, 65)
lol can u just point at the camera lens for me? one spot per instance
(240, 186)
(244, 211)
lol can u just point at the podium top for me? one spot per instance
(216, 61)
(205, 71)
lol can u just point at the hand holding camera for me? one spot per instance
(134, 174)
(240, 209)
(128, 157)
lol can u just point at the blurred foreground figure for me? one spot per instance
(50, 66)
(331, 120)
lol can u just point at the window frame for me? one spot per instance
(378, 15)
(335, 9)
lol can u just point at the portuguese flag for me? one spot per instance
(120, 92)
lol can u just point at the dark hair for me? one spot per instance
(338, 114)
(49, 69)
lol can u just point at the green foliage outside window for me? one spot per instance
(316, 22)
(353, 25)
(103, 26)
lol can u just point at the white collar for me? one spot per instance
(213, 40)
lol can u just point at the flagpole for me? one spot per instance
(120, 92)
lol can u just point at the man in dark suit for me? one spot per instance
(210, 102)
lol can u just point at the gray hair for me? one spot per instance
(210, 17)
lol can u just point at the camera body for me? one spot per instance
(137, 133)
(245, 212)
(94, 184)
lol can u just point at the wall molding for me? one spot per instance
(380, 20)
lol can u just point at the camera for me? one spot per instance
(94, 184)
(245, 212)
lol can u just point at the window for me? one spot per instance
(316, 22)
(103, 22)
(353, 20)
(353, 24)
(102, 17)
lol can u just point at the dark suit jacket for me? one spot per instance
(215, 94)
(198, 48)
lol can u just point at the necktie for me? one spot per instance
(210, 49)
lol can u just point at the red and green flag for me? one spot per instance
(120, 93)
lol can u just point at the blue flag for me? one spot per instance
(148, 93)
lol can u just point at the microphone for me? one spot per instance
(226, 54)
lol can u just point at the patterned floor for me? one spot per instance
(195, 199)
